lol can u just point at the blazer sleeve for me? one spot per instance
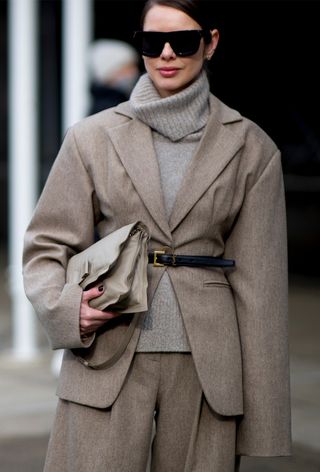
(258, 242)
(62, 224)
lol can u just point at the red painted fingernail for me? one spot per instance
(100, 288)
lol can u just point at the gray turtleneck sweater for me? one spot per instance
(177, 123)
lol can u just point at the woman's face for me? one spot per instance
(171, 73)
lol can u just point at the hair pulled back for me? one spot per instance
(196, 9)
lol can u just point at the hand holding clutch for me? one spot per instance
(119, 263)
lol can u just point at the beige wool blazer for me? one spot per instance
(231, 204)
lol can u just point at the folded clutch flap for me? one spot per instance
(138, 299)
(89, 265)
(126, 283)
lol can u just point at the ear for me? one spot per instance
(211, 47)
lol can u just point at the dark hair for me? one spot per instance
(196, 9)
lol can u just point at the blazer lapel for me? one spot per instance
(133, 143)
(217, 147)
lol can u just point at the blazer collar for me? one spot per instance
(133, 142)
(216, 149)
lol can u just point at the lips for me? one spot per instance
(168, 71)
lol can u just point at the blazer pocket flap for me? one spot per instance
(216, 283)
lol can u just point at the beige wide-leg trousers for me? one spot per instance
(161, 389)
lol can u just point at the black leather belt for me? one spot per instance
(160, 259)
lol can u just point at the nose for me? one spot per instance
(167, 51)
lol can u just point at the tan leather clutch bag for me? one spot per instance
(118, 262)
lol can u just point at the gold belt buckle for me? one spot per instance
(155, 257)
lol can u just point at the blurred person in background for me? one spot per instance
(208, 363)
(114, 70)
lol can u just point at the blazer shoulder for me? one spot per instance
(89, 131)
(103, 120)
(256, 134)
(258, 147)
(241, 125)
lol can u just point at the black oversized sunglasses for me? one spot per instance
(184, 43)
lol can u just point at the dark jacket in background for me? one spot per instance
(103, 96)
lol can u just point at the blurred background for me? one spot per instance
(272, 49)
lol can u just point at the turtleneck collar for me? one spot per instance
(176, 116)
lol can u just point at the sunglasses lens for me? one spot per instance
(184, 43)
(152, 44)
(149, 43)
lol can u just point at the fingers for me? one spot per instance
(92, 314)
(92, 293)
(92, 319)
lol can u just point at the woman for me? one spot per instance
(208, 364)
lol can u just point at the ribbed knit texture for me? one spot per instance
(175, 116)
(177, 123)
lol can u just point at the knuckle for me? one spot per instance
(85, 297)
